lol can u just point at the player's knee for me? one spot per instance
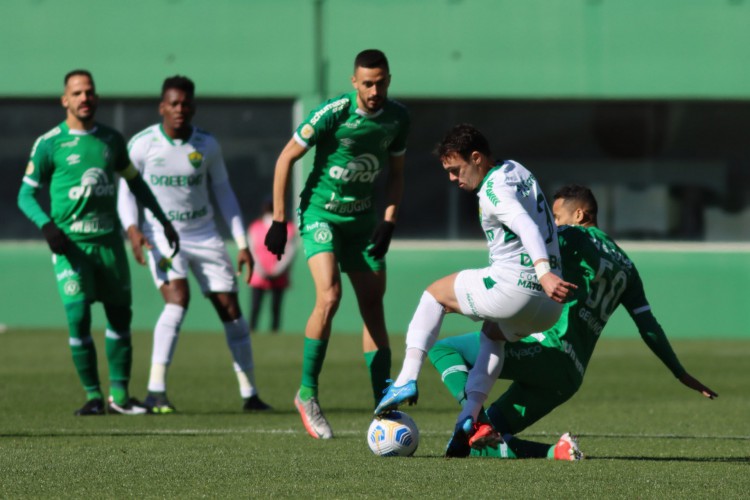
(328, 301)
(118, 317)
(78, 315)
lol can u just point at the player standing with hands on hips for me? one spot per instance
(180, 161)
(355, 135)
(79, 159)
(511, 296)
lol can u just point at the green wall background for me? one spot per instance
(694, 293)
(438, 48)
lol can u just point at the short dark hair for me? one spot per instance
(463, 139)
(371, 58)
(582, 196)
(178, 82)
(78, 72)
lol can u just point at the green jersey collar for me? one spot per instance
(170, 140)
(487, 176)
(67, 130)
(362, 112)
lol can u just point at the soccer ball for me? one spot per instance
(393, 435)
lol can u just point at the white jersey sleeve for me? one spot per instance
(510, 190)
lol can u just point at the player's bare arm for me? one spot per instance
(277, 234)
(245, 260)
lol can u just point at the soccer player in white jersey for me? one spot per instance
(512, 295)
(179, 161)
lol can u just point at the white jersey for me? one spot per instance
(177, 173)
(507, 191)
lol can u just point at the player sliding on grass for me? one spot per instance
(356, 136)
(79, 159)
(512, 295)
(180, 162)
(548, 368)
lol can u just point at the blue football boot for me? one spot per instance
(394, 396)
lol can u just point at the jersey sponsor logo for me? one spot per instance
(65, 274)
(307, 131)
(94, 182)
(364, 168)
(334, 106)
(524, 352)
(159, 162)
(568, 348)
(175, 180)
(73, 159)
(472, 305)
(30, 168)
(491, 194)
(196, 159)
(348, 207)
(176, 215)
(92, 225)
(592, 321)
(346, 142)
(529, 285)
(524, 187)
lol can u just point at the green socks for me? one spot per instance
(379, 365)
(313, 355)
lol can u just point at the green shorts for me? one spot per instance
(542, 378)
(347, 239)
(94, 272)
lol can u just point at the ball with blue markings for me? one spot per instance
(393, 435)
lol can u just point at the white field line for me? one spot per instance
(301, 432)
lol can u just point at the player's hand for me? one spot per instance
(137, 241)
(244, 258)
(276, 238)
(381, 239)
(689, 381)
(172, 237)
(57, 240)
(557, 289)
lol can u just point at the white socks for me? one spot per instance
(482, 376)
(238, 340)
(166, 333)
(421, 336)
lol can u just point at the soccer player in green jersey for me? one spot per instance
(355, 135)
(78, 159)
(547, 368)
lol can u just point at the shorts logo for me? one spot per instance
(307, 131)
(323, 235)
(364, 168)
(71, 287)
(196, 159)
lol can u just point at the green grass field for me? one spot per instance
(644, 434)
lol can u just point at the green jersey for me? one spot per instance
(79, 168)
(351, 150)
(606, 278)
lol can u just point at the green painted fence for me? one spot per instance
(438, 48)
(695, 292)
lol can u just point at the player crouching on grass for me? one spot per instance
(547, 369)
(178, 160)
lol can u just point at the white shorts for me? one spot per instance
(206, 257)
(517, 312)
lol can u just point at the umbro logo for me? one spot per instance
(73, 159)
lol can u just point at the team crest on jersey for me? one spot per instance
(30, 168)
(196, 159)
(307, 131)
